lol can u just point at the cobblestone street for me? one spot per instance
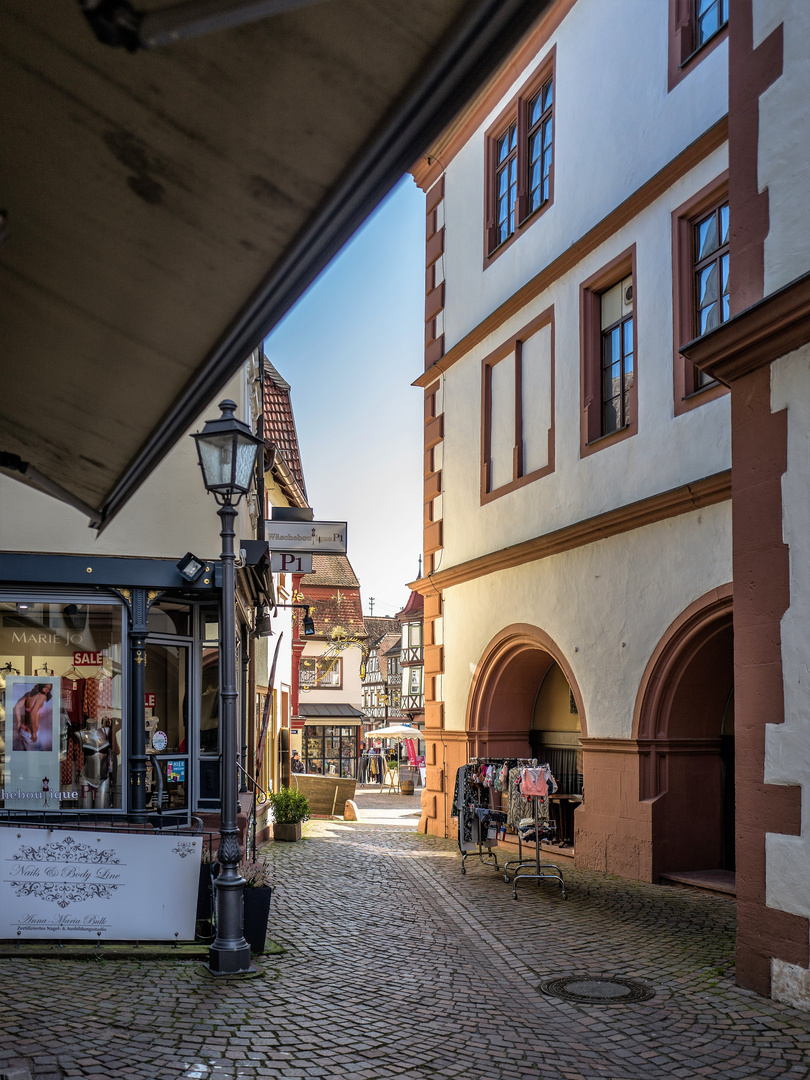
(399, 966)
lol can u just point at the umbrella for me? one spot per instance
(396, 731)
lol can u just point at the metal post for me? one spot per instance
(245, 653)
(137, 744)
(230, 953)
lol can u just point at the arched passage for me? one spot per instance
(684, 724)
(504, 690)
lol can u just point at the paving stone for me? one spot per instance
(399, 967)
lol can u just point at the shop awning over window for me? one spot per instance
(163, 208)
(342, 715)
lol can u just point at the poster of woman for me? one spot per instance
(32, 713)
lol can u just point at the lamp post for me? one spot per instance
(227, 453)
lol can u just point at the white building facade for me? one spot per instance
(581, 228)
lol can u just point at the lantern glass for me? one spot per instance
(216, 459)
(244, 462)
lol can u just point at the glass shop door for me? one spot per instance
(166, 707)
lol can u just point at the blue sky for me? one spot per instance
(350, 349)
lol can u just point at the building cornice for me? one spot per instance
(680, 500)
(757, 336)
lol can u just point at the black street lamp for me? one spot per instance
(227, 451)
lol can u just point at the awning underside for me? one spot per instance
(166, 207)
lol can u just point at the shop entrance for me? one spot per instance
(686, 741)
(555, 739)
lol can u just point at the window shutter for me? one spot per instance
(491, 239)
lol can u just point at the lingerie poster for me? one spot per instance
(31, 778)
(96, 886)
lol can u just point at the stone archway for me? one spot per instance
(504, 689)
(683, 725)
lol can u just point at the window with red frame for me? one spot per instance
(540, 123)
(506, 164)
(711, 266)
(617, 355)
(709, 19)
(520, 161)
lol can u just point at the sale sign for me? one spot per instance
(88, 659)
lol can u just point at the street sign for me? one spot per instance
(307, 537)
(284, 562)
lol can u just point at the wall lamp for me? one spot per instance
(119, 24)
(190, 566)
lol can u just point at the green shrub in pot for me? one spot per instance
(290, 808)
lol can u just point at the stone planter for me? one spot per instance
(286, 831)
(257, 912)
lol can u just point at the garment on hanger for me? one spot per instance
(517, 806)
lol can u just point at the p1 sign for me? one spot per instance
(286, 563)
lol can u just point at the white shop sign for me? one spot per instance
(306, 537)
(98, 886)
(284, 562)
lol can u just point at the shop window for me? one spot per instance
(166, 718)
(609, 335)
(209, 620)
(519, 152)
(167, 617)
(321, 672)
(61, 699)
(209, 702)
(331, 751)
(700, 276)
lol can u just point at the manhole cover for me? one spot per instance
(597, 991)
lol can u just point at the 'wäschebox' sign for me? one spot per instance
(308, 537)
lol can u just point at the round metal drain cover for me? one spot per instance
(597, 991)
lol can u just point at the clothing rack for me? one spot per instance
(520, 868)
(541, 871)
(485, 851)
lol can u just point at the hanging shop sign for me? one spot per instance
(284, 562)
(149, 701)
(306, 537)
(58, 883)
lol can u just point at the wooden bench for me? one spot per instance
(327, 794)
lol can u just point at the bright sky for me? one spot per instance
(350, 349)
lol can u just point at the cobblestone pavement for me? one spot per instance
(399, 967)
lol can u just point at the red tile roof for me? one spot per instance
(413, 609)
(378, 627)
(333, 592)
(330, 570)
(279, 423)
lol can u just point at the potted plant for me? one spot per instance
(257, 894)
(290, 809)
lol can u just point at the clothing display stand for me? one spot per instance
(533, 869)
(484, 851)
